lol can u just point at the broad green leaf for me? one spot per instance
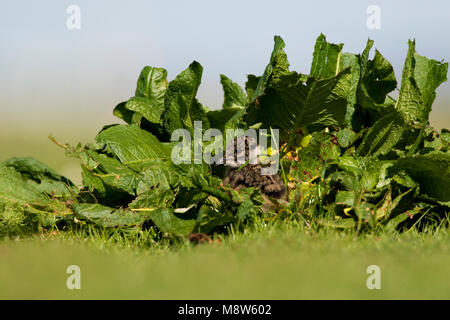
(346, 198)
(237, 120)
(93, 183)
(395, 222)
(353, 165)
(134, 147)
(402, 179)
(429, 74)
(420, 78)
(308, 167)
(107, 217)
(375, 175)
(350, 179)
(438, 141)
(210, 218)
(328, 61)
(159, 197)
(376, 81)
(313, 158)
(148, 102)
(157, 174)
(289, 103)
(181, 106)
(152, 84)
(251, 84)
(150, 110)
(410, 101)
(346, 137)
(349, 60)
(113, 173)
(249, 202)
(390, 208)
(278, 66)
(233, 93)
(130, 117)
(365, 56)
(323, 146)
(14, 189)
(362, 174)
(365, 211)
(326, 58)
(431, 171)
(282, 99)
(219, 119)
(169, 222)
(383, 136)
(42, 177)
(379, 78)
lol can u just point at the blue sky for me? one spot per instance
(50, 74)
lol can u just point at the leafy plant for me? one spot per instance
(352, 156)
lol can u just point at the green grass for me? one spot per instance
(272, 262)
